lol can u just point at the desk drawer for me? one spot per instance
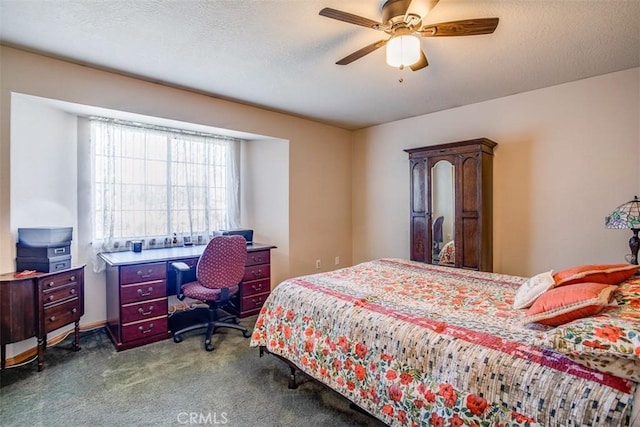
(253, 302)
(256, 272)
(58, 315)
(60, 294)
(256, 287)
(144, 329)
(144, 310)
(143, 291)
(258, 257)
(143, 273)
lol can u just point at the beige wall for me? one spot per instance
(566, 156)
(311, 211)
(319, 206)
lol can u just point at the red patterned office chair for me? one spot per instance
(218, 274)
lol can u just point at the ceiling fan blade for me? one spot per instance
(420, 8)
(349, 17)
(465, 27)
(422, 63)
(361, 52)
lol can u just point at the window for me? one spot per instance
(155, 183)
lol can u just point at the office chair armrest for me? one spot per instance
(179, 267)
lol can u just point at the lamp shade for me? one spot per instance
(403, 51)
(625, 216)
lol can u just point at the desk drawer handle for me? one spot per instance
(256, 258)
(145, 331)
(52, 319)
(145, 276)
(257, 301)
(145, 294)
(145, 313)
(257, 287)
(257, 272)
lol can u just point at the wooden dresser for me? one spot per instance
(468, 189)
(139, 283)
(37, 304)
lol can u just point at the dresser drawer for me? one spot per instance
(58, 280)
(60, 293)
(144, 329)
(253, 302)
(144, 310)
(258, 257)
(143, 273)
(256, 287)
(143, 291)
(58, 315)
(256, 272)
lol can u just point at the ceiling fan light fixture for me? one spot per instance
(403, 51)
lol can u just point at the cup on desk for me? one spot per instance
(137, 246)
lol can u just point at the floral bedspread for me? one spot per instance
(417, 344)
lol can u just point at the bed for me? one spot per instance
(419, 344)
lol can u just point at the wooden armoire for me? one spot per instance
(465, 170)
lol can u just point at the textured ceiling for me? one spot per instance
(280, 54)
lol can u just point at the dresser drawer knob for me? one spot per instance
(256, 301)
(72, 291)
(257, 258)
(145, 313)
(257, 272)
(50, 284)
(74, 310)
(257, 287)
(51, 298)
(145, 331)
(145, 294)
(145, 276)
(52, 319)
(72, 278)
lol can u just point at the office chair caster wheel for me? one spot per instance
(208, 346)
(246, 334)
(177, 338)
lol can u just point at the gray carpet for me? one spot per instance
(167, 384)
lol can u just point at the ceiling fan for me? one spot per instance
(402, 21)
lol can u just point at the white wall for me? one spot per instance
(43, 190)
(566, 156)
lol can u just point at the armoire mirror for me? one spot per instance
(451, 204)
(442, 209)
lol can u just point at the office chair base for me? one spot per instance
(225, 321)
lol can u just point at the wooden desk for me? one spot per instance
(35, 305)
(139, 283)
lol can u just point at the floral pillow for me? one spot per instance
(530, 290)
(448, 254)
(614, 333)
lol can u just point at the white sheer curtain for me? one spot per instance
(160, 185)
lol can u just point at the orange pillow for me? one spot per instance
(610, 274)
(564, 304)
